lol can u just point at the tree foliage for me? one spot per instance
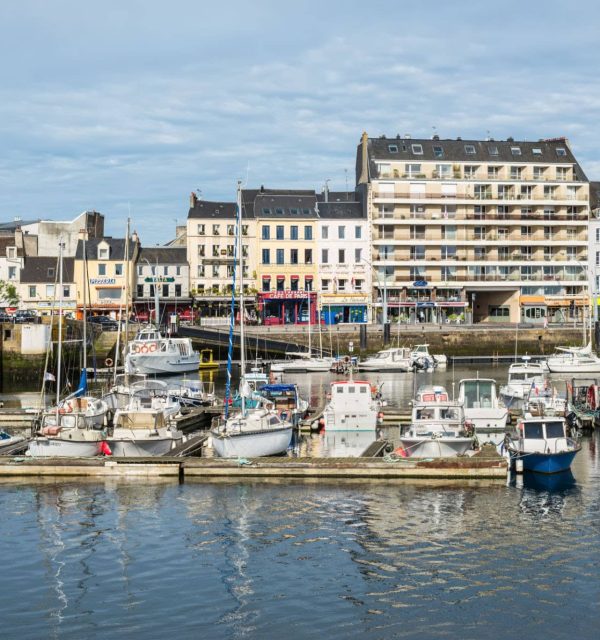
(8, 294)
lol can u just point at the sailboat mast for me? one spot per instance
(241, 263)
(127, 282)
(84, 305)
(309, 319)
(60, 312)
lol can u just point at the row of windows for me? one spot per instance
(164, 290)
(156, 270)
(470, 150)
(327, 284)
(219, 271)
(49, 289)
(294, 256)
(494, 172)
(216, 229)
(280, 232)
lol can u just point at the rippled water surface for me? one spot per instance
(302, 560)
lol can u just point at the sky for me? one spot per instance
(126, 106)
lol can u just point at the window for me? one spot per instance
(140, 270)
(279, 211)
(216, 229)
(438, 151)
(266, 284)
(493, 172)
(325, 232)
(266, 211)
(266, 232)
(536, 151)
(215, 271)
(178, 270)
(324, 256)
(178, 290)
(102, 253)
(516, 173)
(279, 232)
(493, 150)
(470, 149)
(101, 269)
(293, 232)
(341, 232)
(516, 151)
(244, 229)
(449, 232)
(140, 290)
(230, 270)
(201, 230)
(357, 255)
(443, 170)
(470, 170)
(308, 232)
(308, 283)
(266, 256)
(280, 284)
(341, 256)
(201, 271)
(538, 173)
(410, 170)
(201, 251)
(294, 284)
(393, 148)
(561, 152)
(325, 285)
(308, 256)
(561, 173)
(280, 256)
(417, 149)
(215, 253)
(49, 291)
(341, 285)
(417, 252)
(32, 291)
(417, 232)
(525, 232)
(165, 290)
(11, 252)
(598, 235)
(294, 256)
(230, 230)
(119, 269)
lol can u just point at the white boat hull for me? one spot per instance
(135, 446)
(436, 447)
(492, 419)
(301, 366)
(573, 367)
(43, 447)
(161, 364)
(379, 366)
(256, 444)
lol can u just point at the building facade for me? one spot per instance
(496, 229)
(343, 259)
(40, 288)
(162, 274)
(101, 276)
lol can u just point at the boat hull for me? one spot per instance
(573, 367)
(400, 368)
(41, 447)
(161, 365)
(300, 367)
(545, 462)
(252, 444)
(436, 447)
(141, 447)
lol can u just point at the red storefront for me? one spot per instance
(287, 307)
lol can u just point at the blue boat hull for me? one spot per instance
(546, 462)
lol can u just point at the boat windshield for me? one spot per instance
(533, 431)
(555, 430)
(478, 393)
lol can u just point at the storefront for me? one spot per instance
(287, 307)
(337, 309)
(427, 312)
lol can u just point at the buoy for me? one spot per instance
(401, 451)
(108, 362)
(105, 449)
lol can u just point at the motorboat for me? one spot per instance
(7, 440)
(255, 431)
(543, 445)
(522, 376)
(85, 410)
(437, 428)
(544, 400)
(354, 405)
(77, 440)
(302, 362)
(422, 359)
(393, 359)
(143, 426)
(483, 409)
(207, 360)
(285, 399)
(574, 360)
(151, 353)
(193, 393)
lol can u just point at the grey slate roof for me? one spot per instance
(339, 210)
(116, 248)
(9, 241)
(40, 269)
(216, 210)
(163, 255)
(339, 196)
(446, 150)
(290, 204)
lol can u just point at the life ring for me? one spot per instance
(135, 348)
(108, 362)
(143, 349)
(152, 347)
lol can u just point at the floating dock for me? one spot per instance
(276, 468)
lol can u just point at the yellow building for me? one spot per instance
(105, 274)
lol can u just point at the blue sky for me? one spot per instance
(129, 105)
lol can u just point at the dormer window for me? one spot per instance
(103, 251)
(561, 152)
(470, 149)
(417, 149)
(516, 151)
(51, 272)
(438, 152)
(11, 252)
(393, 148)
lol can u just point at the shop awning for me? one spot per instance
(280, 277)
(308, 277)
(295, 277)
(266, 277)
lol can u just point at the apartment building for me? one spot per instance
(102, 274)
(594, 249)
(162, 273)
(39, 286)
(496, 228)
(343, 258)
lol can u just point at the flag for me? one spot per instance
(48, 377)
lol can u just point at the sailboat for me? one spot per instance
(250, 432)
(72, 428)
(304, 361)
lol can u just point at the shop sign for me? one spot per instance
(286, 295)
(160, 279)
(103, 281)
(420, 283)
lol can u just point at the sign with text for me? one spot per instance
(103, 281)
(159, 279)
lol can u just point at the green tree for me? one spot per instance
(8, 294)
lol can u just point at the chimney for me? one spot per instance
(364, 159)
(134, 237)
(262, 188)
(193, 200)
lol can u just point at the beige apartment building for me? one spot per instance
(493, 228)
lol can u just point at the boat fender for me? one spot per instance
(152, 347)
(321, 424)
(401, 451)
(591, 397)
(109, 362)
(105, 449)
(144, 349)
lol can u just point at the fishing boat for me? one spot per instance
(250, 432)
(354, 405)
(142, 427)
(437, 428)
(393, 359)
(483, 409)
(543, 445)
(522, 376)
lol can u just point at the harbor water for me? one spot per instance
(373, 559)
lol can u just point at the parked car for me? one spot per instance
(23, 316)
(105, 322)
(5, 317)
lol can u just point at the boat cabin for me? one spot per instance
(479, 393)
(524, 372)
(439, 417)
(283, 396)
(350, 395)
(433, 393)
(539, 435)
